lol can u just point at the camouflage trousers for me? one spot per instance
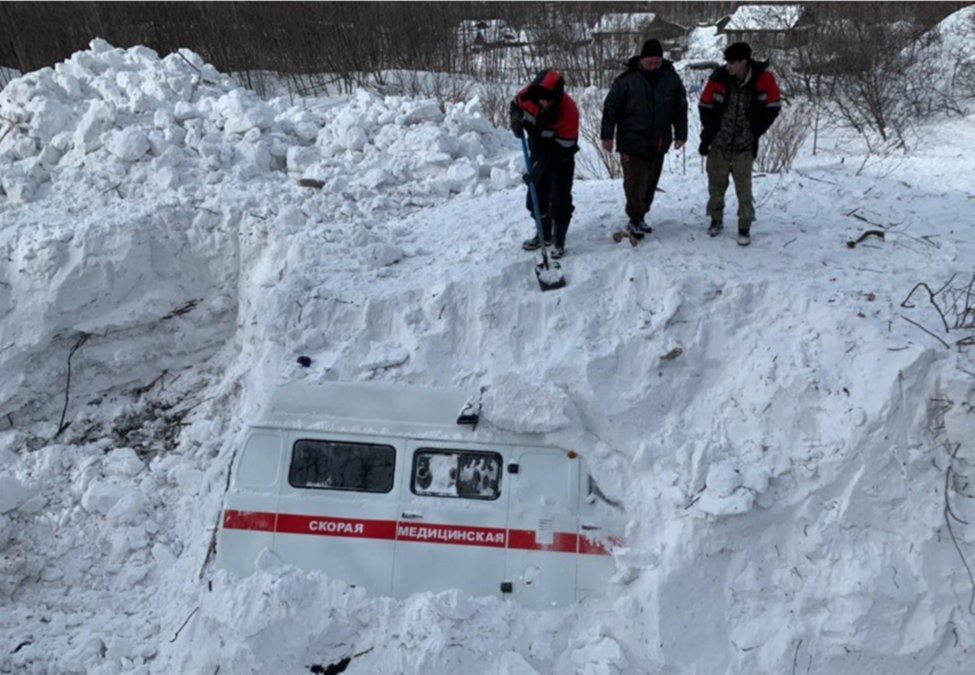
(720, 165)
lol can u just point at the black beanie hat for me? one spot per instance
(739, 51)
(651, 47)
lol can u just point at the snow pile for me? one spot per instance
(949, 58)
(781, 439)
(102, 110)
(185, 161)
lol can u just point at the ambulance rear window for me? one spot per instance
(457, 473)
(340, 465)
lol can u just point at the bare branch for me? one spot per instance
(67, 384)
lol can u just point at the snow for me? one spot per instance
(764, 17)
(623, 23)
(784, 472)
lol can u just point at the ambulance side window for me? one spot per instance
(341, 465)
(456, 473)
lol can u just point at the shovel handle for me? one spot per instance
(536, 210)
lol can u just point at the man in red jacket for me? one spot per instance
(550, 117)
(738, 104)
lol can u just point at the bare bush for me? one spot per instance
(496, 103)
(778, 148)
(598, 162)
(870, 67)
(954, 304)
(440, 87)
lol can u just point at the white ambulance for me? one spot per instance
(397, 490)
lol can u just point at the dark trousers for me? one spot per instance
(554, 189)
(640, 178)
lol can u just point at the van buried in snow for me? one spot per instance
(395, 489)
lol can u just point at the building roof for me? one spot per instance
(764, 17)
(624, 23)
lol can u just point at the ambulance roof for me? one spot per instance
(369, 407)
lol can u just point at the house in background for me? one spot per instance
(478, 34)
(618, 36)
(767, 26)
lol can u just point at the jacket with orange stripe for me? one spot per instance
(554, 133)
(764, 97)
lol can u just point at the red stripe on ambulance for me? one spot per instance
(452, 534)
(525, 540)
(249, 520)
(336, 527)
(490, 537)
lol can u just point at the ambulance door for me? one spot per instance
(601, 523)
(452, 522)
(338, 507)
(251, 504)
(542, 522)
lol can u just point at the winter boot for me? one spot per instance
(534, 244)
(644, 227)
(744, 236)
(557, 252)
(715, 228)
(561, 229)
(633, 228)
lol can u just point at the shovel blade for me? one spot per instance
(551, 278)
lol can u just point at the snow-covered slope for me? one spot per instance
(785, 476)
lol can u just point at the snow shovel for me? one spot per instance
(549, 274)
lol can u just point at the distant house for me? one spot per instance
(618, 36)
(486, 34)
(767, 26)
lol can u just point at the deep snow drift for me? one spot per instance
(785, 476)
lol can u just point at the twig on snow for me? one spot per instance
(10, 127)
(192, 65)
(926, 331)
(932, 297)
(180, 630)
(949, 514)
(139, 391)
(795, 657)
(851, 243)
(67, 384)
(23, 644)
(212, 548)
(188, 307)
(819, 180)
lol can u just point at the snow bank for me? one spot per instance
(947, 54)
(165, 168)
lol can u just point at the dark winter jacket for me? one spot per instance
(760, 102)
(554, 133)
(647, 110)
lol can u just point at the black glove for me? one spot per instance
(517, 119)
(535, 174)
(703, 148)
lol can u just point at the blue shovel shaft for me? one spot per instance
(536, 210)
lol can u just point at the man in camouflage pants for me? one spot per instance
(738, 104)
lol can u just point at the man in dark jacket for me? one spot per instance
(738, 104)
(647, 109)
(550, 117)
